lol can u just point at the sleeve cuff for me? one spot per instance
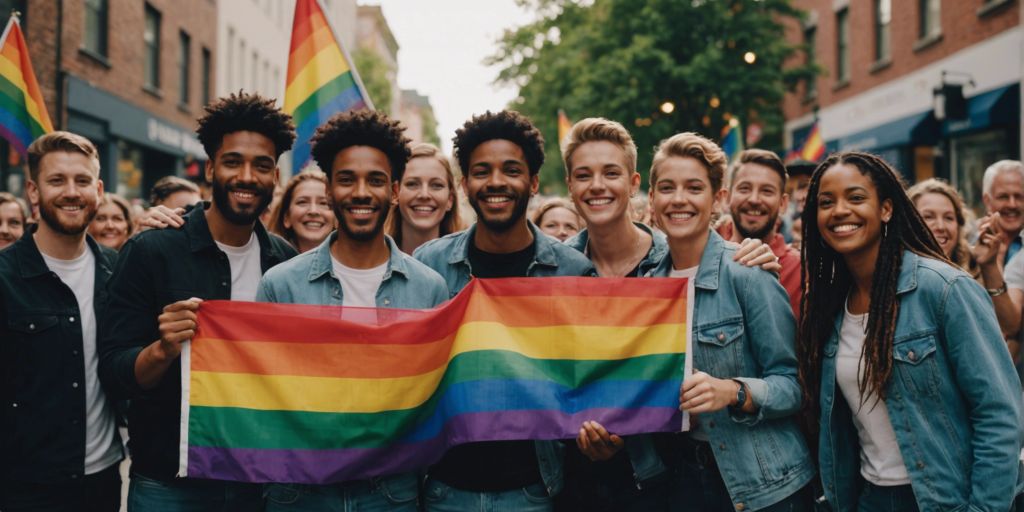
(758, 391)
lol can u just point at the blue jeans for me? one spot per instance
(439, 497)
(192, 495)
(875, 498)
(391, 494)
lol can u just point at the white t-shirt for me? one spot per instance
(245, 268)
(880, 460)
(101, 450)
(359, 285)
(695, 431)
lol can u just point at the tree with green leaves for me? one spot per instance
(373, 71)
(657, 66)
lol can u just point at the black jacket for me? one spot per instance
(42, 370)
(157, 268)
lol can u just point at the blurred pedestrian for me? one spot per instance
(174, 192)
(12, 219)
(113, 223)
(1002, 188)
(61, 445)
(304, 216)
(425, 204)
(901, 355)
(558, 219)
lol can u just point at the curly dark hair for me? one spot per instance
(247, 112)
(361, 128)
(507, 125)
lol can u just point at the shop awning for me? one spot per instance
(914, 130)
(998, 107)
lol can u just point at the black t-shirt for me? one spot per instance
(493, 465)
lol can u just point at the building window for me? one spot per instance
(151, 36)
(241, 64)
(810, 33)
(184, 52)
(207, 63)
(255, 84)
(842, 45)
(929, 17)
(95, 37)
(883, 19)
(231, 58)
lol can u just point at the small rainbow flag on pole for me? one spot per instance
(321, 79)
(23, 115)
(564, 125)
(298, 393)
(732, 139)
(814, 147)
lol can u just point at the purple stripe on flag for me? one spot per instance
(331, 466)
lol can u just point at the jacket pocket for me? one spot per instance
(916, 364)
(719, 350)
(28, 326)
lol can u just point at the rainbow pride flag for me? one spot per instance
(322, 394)
(321, 79)
(814, 147)
(23, 115)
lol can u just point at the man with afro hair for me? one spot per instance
(162, 276)
(363, 154)
(500, 155)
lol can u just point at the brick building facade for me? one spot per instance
(882, 62)
(90, 58)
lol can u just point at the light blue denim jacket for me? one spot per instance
(659, 246)
(309, 279)
(449, 256)
(954, 399)
(744, 329)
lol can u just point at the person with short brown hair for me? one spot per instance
(174, 192)
(12, 219)
(113, 223)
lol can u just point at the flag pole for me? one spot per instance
(344, 51)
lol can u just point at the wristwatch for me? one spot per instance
(995, 292)
(741, 394)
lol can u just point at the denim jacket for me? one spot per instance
(659, 246)
(449, 256)
(954, 399)
(744, 329)
(309, 279)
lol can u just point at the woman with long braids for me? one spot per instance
(901, 357)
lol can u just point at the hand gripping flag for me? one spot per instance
(298, 393)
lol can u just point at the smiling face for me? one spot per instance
(498, 184)
(601, 183)
(110, 227)
(683, 199)
(755, 199)
(67, 190)
(360, 192)
(850, 211)
(424, 195)
(309, 216)
(1007, 198)
(939, 214)
(12, 223)
(244, 173)
(559, 223)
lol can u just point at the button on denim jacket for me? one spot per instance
(309, 279)
(744, 329)
(954, 399)
(449, 256)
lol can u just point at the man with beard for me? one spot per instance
(364, 154)
(60, 444)
(757, 194)
(500, 155)
(163, 275)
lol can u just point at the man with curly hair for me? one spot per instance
(500, 155)
(160, 279)
(364, 155)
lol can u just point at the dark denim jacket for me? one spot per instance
(449, 256)
(42, 423)
(744, 329)
(954, 399)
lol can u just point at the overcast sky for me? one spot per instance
(442, 47)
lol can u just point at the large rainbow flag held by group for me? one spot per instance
(305, 394)
(23, 115)
(321, 79)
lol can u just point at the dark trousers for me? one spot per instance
(98, 492)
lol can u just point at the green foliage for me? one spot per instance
(621, 59)
(430, 128)
(373, 71)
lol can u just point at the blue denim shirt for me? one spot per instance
(659, 247)
(449, 256)
(954, 399)
(309, 279)
(744, 329)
